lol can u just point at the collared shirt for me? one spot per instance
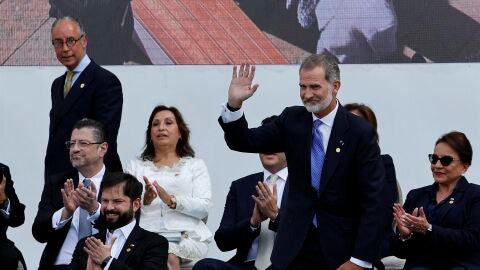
(79, 69)
(282, 179)
(121, 234)
(326, 129)
(66, 252)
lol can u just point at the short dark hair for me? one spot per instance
(327, 62)
(459, 142)
(183, 148)
(81, 29)
(132, 188)
(99, 132)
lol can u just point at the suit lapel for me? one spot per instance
(335, 148)
(454, 199)
(131, 244)
(78, 88)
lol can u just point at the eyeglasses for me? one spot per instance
(81, 144)
(70, 41)
(445, 160)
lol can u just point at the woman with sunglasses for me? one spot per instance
(438, 227)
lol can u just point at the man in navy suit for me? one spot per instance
(86, 90)
(67, 204)
(242, 219)
(335, 172)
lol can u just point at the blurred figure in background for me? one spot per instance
(12, 213)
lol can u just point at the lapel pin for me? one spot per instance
(337, 150)
(132, 245)
(82, 85)
(451, 200)
(341, 142)
(129, 249)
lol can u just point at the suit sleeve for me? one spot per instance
(79, 257)
(108, 106)
(371, 175)
(263, 139)
(233, 231)
(42, 229)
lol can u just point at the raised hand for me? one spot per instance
(266, 201)
(241, 85)
(96, 250)
(3, 196)
(150, 193)
(86, 198)
(69, 202)
(257, 217)
(164, 196)
(417, 221)
(399, 214)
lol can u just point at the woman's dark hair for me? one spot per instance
(365, 112)
(183, 148)
(460, 144)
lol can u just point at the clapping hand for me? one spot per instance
(266, 201)
(150, 193)
(241, 85)
(69, 202)
(97, 250)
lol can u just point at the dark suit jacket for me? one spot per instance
(455, 235)
(390, 196)
(8, 252)
(234, 231)
(349, 199)
(96, 94)
(143, 250)
(51, 202)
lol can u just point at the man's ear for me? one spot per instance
(136, 204)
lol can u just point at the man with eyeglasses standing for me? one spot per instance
(85, 90)
(69, 205)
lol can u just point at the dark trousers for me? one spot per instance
(214, 264)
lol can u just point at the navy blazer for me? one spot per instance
(455, 236)
(234, 231)
(51, 202)
(96, 94)
(352, 180)
(142, 250)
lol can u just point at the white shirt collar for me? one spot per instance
(282, 174)
(125, 231)
(82, 65)
(96, 178)
(329, 118)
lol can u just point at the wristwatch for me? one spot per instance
(173, 202)
(105, 261)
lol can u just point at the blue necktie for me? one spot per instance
(317, 155)
(84, 225)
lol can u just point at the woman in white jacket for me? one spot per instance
(177, 194)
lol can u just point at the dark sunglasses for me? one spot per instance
(445, 160)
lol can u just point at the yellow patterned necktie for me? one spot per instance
(68, 83)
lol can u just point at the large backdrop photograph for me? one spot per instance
(184, 32)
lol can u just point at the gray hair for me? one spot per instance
(328, 63)
(79, 25)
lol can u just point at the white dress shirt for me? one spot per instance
(68, 247)
(326, 129)
(122, 235)
(282, 179)
(79, 69)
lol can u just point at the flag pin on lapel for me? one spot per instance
(129, 249)
(451, 200)
(82, 85)
(337, 150)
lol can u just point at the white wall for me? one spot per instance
(414, 104)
